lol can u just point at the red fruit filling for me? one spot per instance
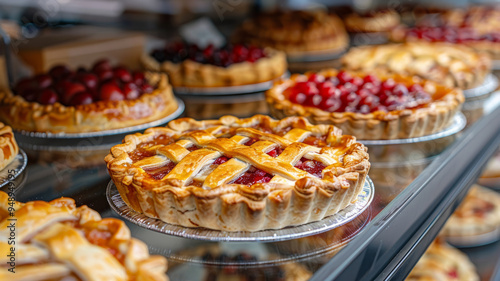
(345, 93)
(453, 274)
(253, 176)
(224, 56)
(159, 173)
(313, 167)
(101, 83)
(450, 34)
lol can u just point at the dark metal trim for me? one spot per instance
(389, 247)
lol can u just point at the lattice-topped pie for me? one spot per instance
(373, 21)
(8, 146)
(295, 32)
(86, 100)
(478, 214)
(443, 262)
(365, 105)
(239, 174)
(230, 65)
(58, 241)
(448, 64)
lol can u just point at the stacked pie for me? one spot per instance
(443, 262)
(372, 21)
(86, 100)
(366, 105)
(58, 241)
(449, 64)
(8, 146)
(187, 65)
(239, 174)
(295, 32)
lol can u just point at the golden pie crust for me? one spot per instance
(478, 214)
(483, 19)
(443, 262)
(8, 146)
(194, 74)
(98, 116)
(295, 32)
(491, 48)
(448, 64)
(56, 240)
(381, 21)
(400, 124)
(292, 197)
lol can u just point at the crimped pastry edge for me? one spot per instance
(138, 261)
(206, 75)
(400, 124)
(97, 116)
(233, 207)
(7, 143)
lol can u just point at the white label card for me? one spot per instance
(202, 32)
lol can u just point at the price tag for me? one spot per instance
(202, 32)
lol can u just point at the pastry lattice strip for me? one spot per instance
(197, 165)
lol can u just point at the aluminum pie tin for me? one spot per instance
(127, 130)
(229, 90)
(315, 56)
(458, 124)
(14, 170)
(489, 85)
(474, 240)
(342, 217)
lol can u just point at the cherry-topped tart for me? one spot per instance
(100, 83)
(232, 65)
(366, 105)
(100, 98)
(239, 174)
(347, 93)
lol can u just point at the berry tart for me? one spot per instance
(465, 35)
(443, 262)
(367, 106)
(58, 241)
(479, 214)
(188, 65)
(448, 64)
(102, 98)
(239, 174)
(372, 21)
(295, 32)
(8, 146)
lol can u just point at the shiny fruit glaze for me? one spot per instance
(101, 83)
(347, 93)
(313, 167)
(450, 34)
(224, 56)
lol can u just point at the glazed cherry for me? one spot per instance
(48, 96)
(138, 78)
(101, 65)
(88, 79)
(81, 98)
(111, 92)
(358, 94)
(131, 91)
(68, 89)
(104, 74)
(59, 72)
(122, 74)
(43, 81)
(146, 88)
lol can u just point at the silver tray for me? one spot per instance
(230, 90)
(127, 130)
(17, 167)
(459, 122)
(489, 85)
(273, 235)
(315, 56)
